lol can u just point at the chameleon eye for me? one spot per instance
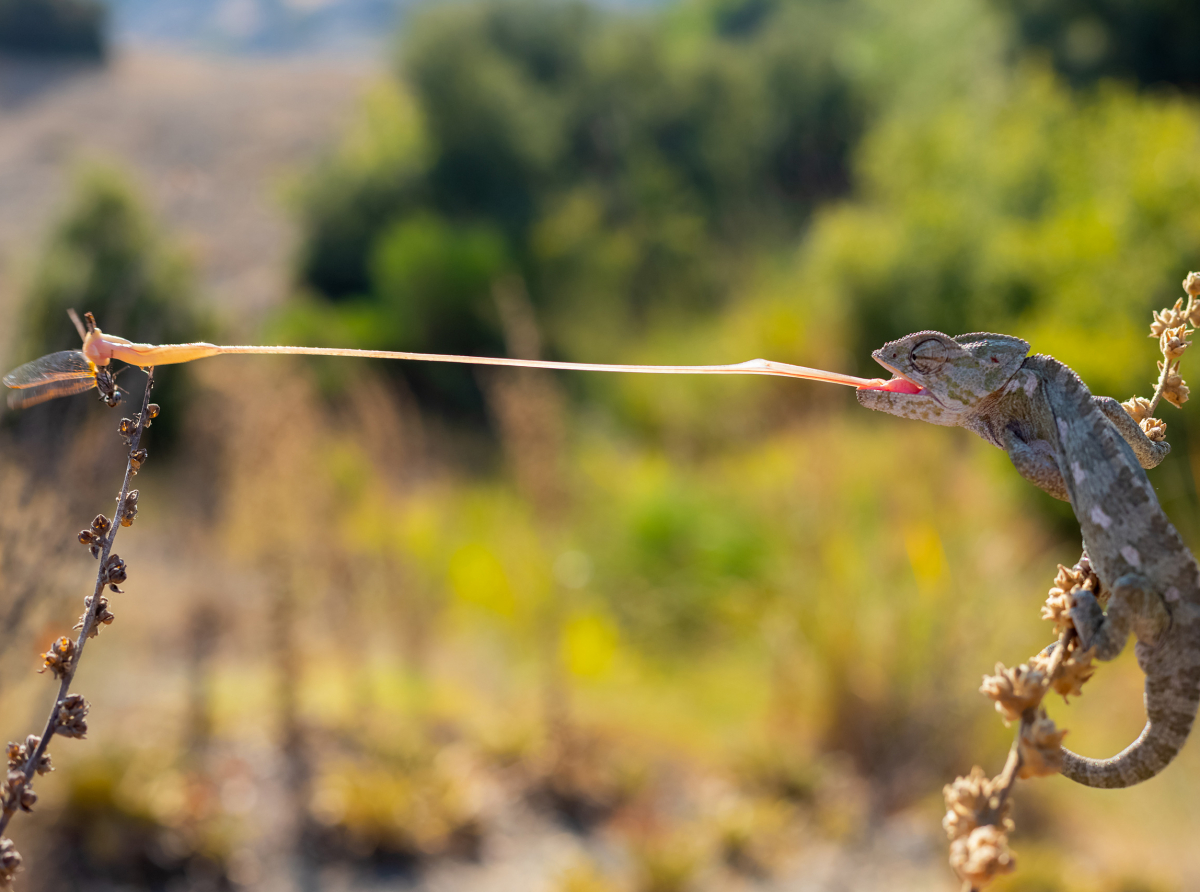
(928, 356)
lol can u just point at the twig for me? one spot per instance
(1160, 386)
(16, 786)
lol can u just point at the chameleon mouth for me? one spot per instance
(897, 384)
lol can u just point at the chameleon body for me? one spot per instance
(1087, 450)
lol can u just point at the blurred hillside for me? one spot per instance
(213, 142)
(258, 26)
(432, 628)
(270, 27)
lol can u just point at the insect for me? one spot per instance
(77, 371)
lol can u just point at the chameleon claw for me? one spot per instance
(1087, 616)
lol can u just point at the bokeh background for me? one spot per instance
(435, 628)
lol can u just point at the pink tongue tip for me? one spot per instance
(895, 385)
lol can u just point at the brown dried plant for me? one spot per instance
(977, 819)
(1173, 326)
(68, 715)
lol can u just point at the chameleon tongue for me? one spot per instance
(895, 385)
(766, 366)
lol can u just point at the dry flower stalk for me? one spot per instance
(1173, 326)
(68, 716)
(977, 820)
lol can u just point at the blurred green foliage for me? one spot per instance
(1064, 219)
(105, 255)
(636, 172)
(619, 165)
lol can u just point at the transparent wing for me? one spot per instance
(63, 366)
(59, 374)
(32, 395)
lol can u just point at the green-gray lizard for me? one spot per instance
(1087, 450)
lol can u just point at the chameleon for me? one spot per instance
(1087, 450)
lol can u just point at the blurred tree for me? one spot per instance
(105, 256)
(53, 28)
(1031, 210)
(1150, 41)
(624, 166)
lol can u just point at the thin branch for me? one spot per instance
(89, 618)
(1161, 387)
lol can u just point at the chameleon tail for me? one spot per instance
(1171, 702)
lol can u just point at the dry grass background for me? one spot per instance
(210, 142)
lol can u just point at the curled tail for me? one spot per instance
(1171, 702)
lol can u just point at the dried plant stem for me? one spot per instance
(1164, 375)
(1008, 776)
(985, 804)
(89, 618)
(1167, 322)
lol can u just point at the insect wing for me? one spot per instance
(54, 367)
(31, 396)
(55, 375)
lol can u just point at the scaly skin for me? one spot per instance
(1088, 451)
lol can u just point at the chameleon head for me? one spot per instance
(941, 379)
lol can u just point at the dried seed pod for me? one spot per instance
(1072, 672)
(18, 754)
(1014, 690)
(1192, 284)
(89, 538)
(114, 572)
(1057, 610)
(72, 716)
(28, 799)
(101, 524)
(1175, 391)
(1165, 319)
(103, 615)
(14, 784)
(10, 861)
(982, 856)
(31, 744)
(137, 458)
(127, 427)
(1060, 598)
(129, 508)
(1137, 407)
(1040, 744)
(1155, 429)
(1082, 575)
(1174, 341)
(152, 412)
(970, 803)
(58, 657)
